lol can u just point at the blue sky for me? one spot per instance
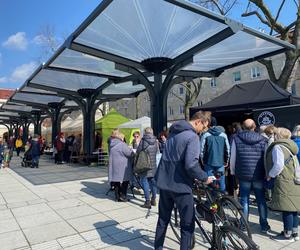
(23, 21)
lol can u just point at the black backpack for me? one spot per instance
(142, 161)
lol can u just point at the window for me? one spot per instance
(213, 83)
(171, 112)
(255, 72)
(181, 109)
(181, 90)
(237, 76)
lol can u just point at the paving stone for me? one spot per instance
(140, 244)
(66, 203)
(49, 245)
(16, 204)
(103, 242)
(12, 240)
(109, 205)
(71, 240)
(44, 233)
(75, 212)
(82, 246)
(38, 219)
(8, 225)
(91, 222)
(122, 215)
(31, 210)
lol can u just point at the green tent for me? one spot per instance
(112, 120)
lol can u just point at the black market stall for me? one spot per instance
(259, 100)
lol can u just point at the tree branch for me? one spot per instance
(177, 96)
(268, 64)
(251, 13)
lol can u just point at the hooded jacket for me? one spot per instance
(250, 148)
(179, 164)
(149, 143)
(35, 147)
(119, 167)
(214, 147)
(285, 194)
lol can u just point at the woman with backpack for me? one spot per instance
(281, 169)
(149, 147)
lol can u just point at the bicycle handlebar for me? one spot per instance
(203, 186)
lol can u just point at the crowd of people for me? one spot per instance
(247, 159)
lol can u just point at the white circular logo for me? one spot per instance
(266, 118)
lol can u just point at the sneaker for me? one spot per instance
(282, 238)
(295, 236)
(266, 230)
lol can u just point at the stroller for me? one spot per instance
(27, 159)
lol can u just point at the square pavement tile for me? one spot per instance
(109, 205)
(139, 244)
(103, 242)
(40, 234)
(91, 222)
(67, 203)
(122, 215)
(82, 246)
(49, 245)
(12, 240)
(71, 240)
(31, 210)
(75, 212)
(95, 234)
(8, 225)
(38, 219)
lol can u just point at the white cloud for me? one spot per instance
(3, 79)
(17, 41)
(20, 73)
(40, 40)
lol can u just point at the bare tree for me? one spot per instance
(48, 42)
(221, 6)
(289, 32)
(192, 91)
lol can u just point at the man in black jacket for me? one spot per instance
(178, 168)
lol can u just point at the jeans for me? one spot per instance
(148, 183)
(258, 188)
(210, 170)
(290, 221)
(185, 206)
(35, 161)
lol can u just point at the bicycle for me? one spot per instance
(223, 234)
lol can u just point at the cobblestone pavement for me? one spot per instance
(66, 207)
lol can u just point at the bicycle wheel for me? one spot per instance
(228, 237)
(175, 226)
(231, 212)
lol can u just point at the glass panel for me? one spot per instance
(70, 104)
(70, 59)
(139, 29)
(8, 113)
(125, 88)
(22, 108)
(237, 48)
(4, 117)
(68, 81)
(39, 91)
(35, 98)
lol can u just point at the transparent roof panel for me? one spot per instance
(140, 29)
(8, 113)
(4, 117)
(70, 104)
(34, 90)
(70, 59)
(36, 98)
(125, 88)
(68, 81)
(239, 47)
(22, 108)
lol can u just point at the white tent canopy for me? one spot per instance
(140, 123)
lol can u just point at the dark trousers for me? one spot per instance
(185, 206)
(120, 189)
(18, 151)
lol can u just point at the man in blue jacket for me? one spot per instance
(178, 168)
(214, 151)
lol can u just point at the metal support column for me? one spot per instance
(55, 110)
(37, 122)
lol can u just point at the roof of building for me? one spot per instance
(6, 93)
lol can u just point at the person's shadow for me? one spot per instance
(126, 237)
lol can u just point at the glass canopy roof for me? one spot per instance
(36, 98)
(121, 34)
(125, 88)
(21, 108)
